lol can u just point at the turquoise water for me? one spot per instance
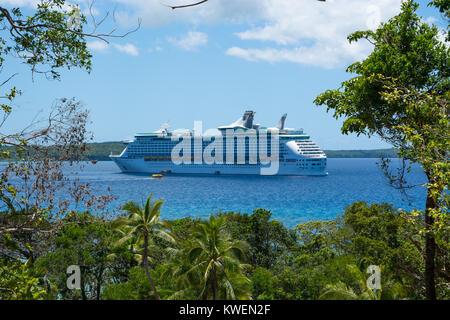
(291, 199)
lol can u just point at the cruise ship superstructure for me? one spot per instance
(239, 148)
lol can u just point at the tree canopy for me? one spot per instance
(401, 93)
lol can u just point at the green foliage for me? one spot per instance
(136, 287)
(340, 291)
(374, 230)
(405, 48)
(316, 260)
(444, 8)
(385, 153)
(25, 245)
(94, 151)
(85, 241)
(332, 255)
(401, 93)
(19, 282)
(44, 39)
(267, 238)
(218, 260)
(139, 228)
(315, 235)
(379, 235)
(41, 39)
(262, 283)
(100, 151)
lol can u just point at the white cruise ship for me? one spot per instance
(239, 148)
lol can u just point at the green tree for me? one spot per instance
(84, 240)
(143, 224)
(444, 9)
(136, 287)
(400, 92)
(18, 282)
(219, 259)
(268, 239)
(42, 39)
(357, 289)
(340, 291)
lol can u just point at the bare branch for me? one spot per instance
(4, 82)
(195, 4)
(16, 26)
(185, 5)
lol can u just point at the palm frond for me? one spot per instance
(131, 207)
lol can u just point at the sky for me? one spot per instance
(211, 63)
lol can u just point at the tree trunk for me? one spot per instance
(83, 292)
(99, 283)
(430, 250)
(145, 262)
(214, 283)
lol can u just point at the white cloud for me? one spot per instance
(154, 13)
(34, 4)
(301, 31)
(97, 45)
(101, 46)
(430, 20)
(191, 41)
(127, 48)
(442, 33)
(307, 32)
(317, 55)
(314, 33)
(21, 3)
(155, 49)
(442, 37)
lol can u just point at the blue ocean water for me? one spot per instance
(292, 200)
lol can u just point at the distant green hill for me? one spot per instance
(101, 150)
(387, 153)
(96, 151)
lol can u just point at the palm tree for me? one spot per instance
(340, 291)
(139, 227)
(185, 284)
(218, 259)
(358, 290)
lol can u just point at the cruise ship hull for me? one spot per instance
(152, 167)
(244, 146)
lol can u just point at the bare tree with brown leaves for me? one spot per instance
(35, 191)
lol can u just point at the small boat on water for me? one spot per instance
(157, 176)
